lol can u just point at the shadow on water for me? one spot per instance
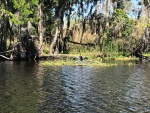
(26, 87)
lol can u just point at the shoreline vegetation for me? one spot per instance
(55, 29)
(91, 60)
(88, 59)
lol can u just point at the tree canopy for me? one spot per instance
(32, 28)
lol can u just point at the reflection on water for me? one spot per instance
(18, 87)
(26, 87)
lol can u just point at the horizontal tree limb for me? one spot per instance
(86, 44)
(7, 58)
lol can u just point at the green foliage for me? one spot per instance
(34, 2)
(127, 24)
(24, 10)
(121, 27)
(128, 27)
(147, 54)
(111, 37)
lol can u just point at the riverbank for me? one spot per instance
(87, 60)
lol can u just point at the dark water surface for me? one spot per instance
(26, 87)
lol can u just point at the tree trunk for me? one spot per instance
(59, 28)
(83, 30)
(107, 13)
(146, 35)
(60, 43)
(67, 31)
(40, 29)
(4, 35)
(54, 41)
(108, 8)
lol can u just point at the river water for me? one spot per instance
(28, 87)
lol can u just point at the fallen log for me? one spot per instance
(86, 44)
(55, 57)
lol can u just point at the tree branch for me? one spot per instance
(86, 44)
(7, 58)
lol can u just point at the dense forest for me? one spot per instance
(33, 28)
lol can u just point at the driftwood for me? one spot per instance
(7, 58)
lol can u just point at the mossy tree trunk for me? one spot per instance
(40, 29)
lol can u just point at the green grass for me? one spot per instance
(93, 60)
(121, 58)
(76, 63)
